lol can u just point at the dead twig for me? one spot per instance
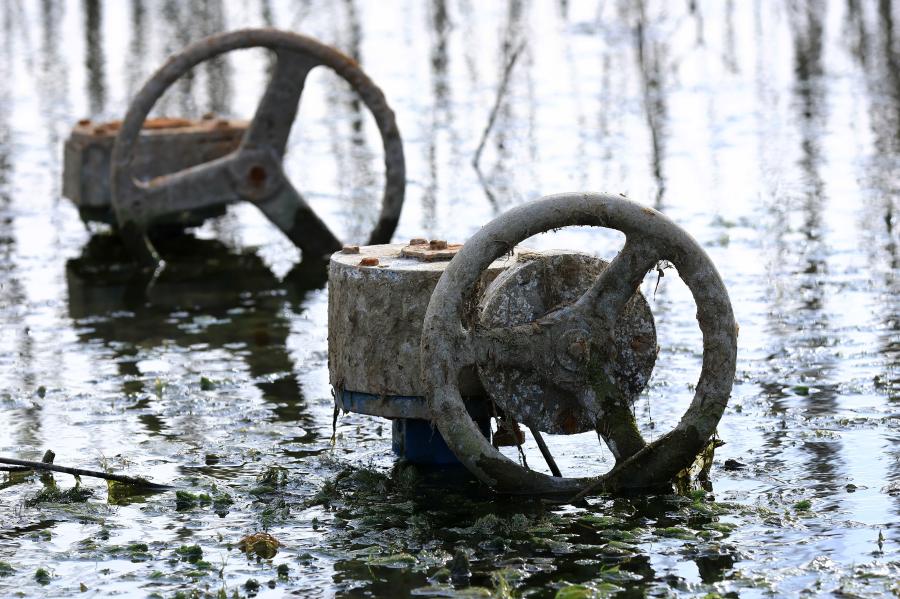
(129, 480)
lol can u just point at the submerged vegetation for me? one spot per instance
(52, 494)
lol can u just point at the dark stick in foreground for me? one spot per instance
(129, 480)
(545, 451)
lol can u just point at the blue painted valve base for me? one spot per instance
(416, 440)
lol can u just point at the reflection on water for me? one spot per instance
(771, 131)
(95, 57)
(651, 55)
(206, 296)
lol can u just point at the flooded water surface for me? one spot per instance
(769, 130)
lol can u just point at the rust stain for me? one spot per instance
(257, 175)
(568, 423)
(434, 251)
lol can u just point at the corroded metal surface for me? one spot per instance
(253, 172)
(430, 251)
(449, 347)
(165, 145)
(375, 316)
(533, 287)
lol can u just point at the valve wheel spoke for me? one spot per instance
(619, 281)
(507, 346)
(287, 209)
(271, 124)
(202, 186)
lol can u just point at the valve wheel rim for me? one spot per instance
(253, 171)
(447, 347)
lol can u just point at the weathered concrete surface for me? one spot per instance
(375, 317)
(254, 171)
(449, 347)
(165, 145)
(530, 289)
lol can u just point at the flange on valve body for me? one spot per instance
(378, 297)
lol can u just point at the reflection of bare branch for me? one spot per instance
(501, 92)
(492, 199)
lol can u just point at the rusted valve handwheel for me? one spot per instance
(448, 347)
(253, 172)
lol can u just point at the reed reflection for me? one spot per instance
(875, 48)
(499, 181)
(650, 53)
(441, 111)
(53, 79)
(95, 59)
(137, 70)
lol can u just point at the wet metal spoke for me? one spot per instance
(290, 213)
(619, 281)
(202, 186)
(271, 124)
(613, 418)
(508, 346)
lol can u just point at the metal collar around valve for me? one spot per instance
(448, 346)
(254, 171)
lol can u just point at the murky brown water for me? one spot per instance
(771, 131)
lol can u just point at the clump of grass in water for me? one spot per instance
(6, 569)
(42, 576)
(271, 480)
(357, 484)
(220, 501)
(76, 494)
(189, 553)
(587, 591)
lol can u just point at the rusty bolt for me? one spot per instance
(208, 116)
(350, 249)
(578, 349)
(437, 244)
(418, 241)
(257, 175)
(84, 122)
(370, 261)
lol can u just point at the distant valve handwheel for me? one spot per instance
(579, 349)
(254, 171)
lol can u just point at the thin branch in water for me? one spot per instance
(129, 480)
(48, 458)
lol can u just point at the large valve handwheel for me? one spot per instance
(448, 346)
(254, 171)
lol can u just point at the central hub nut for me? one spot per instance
(573, 348)
(579, 349)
